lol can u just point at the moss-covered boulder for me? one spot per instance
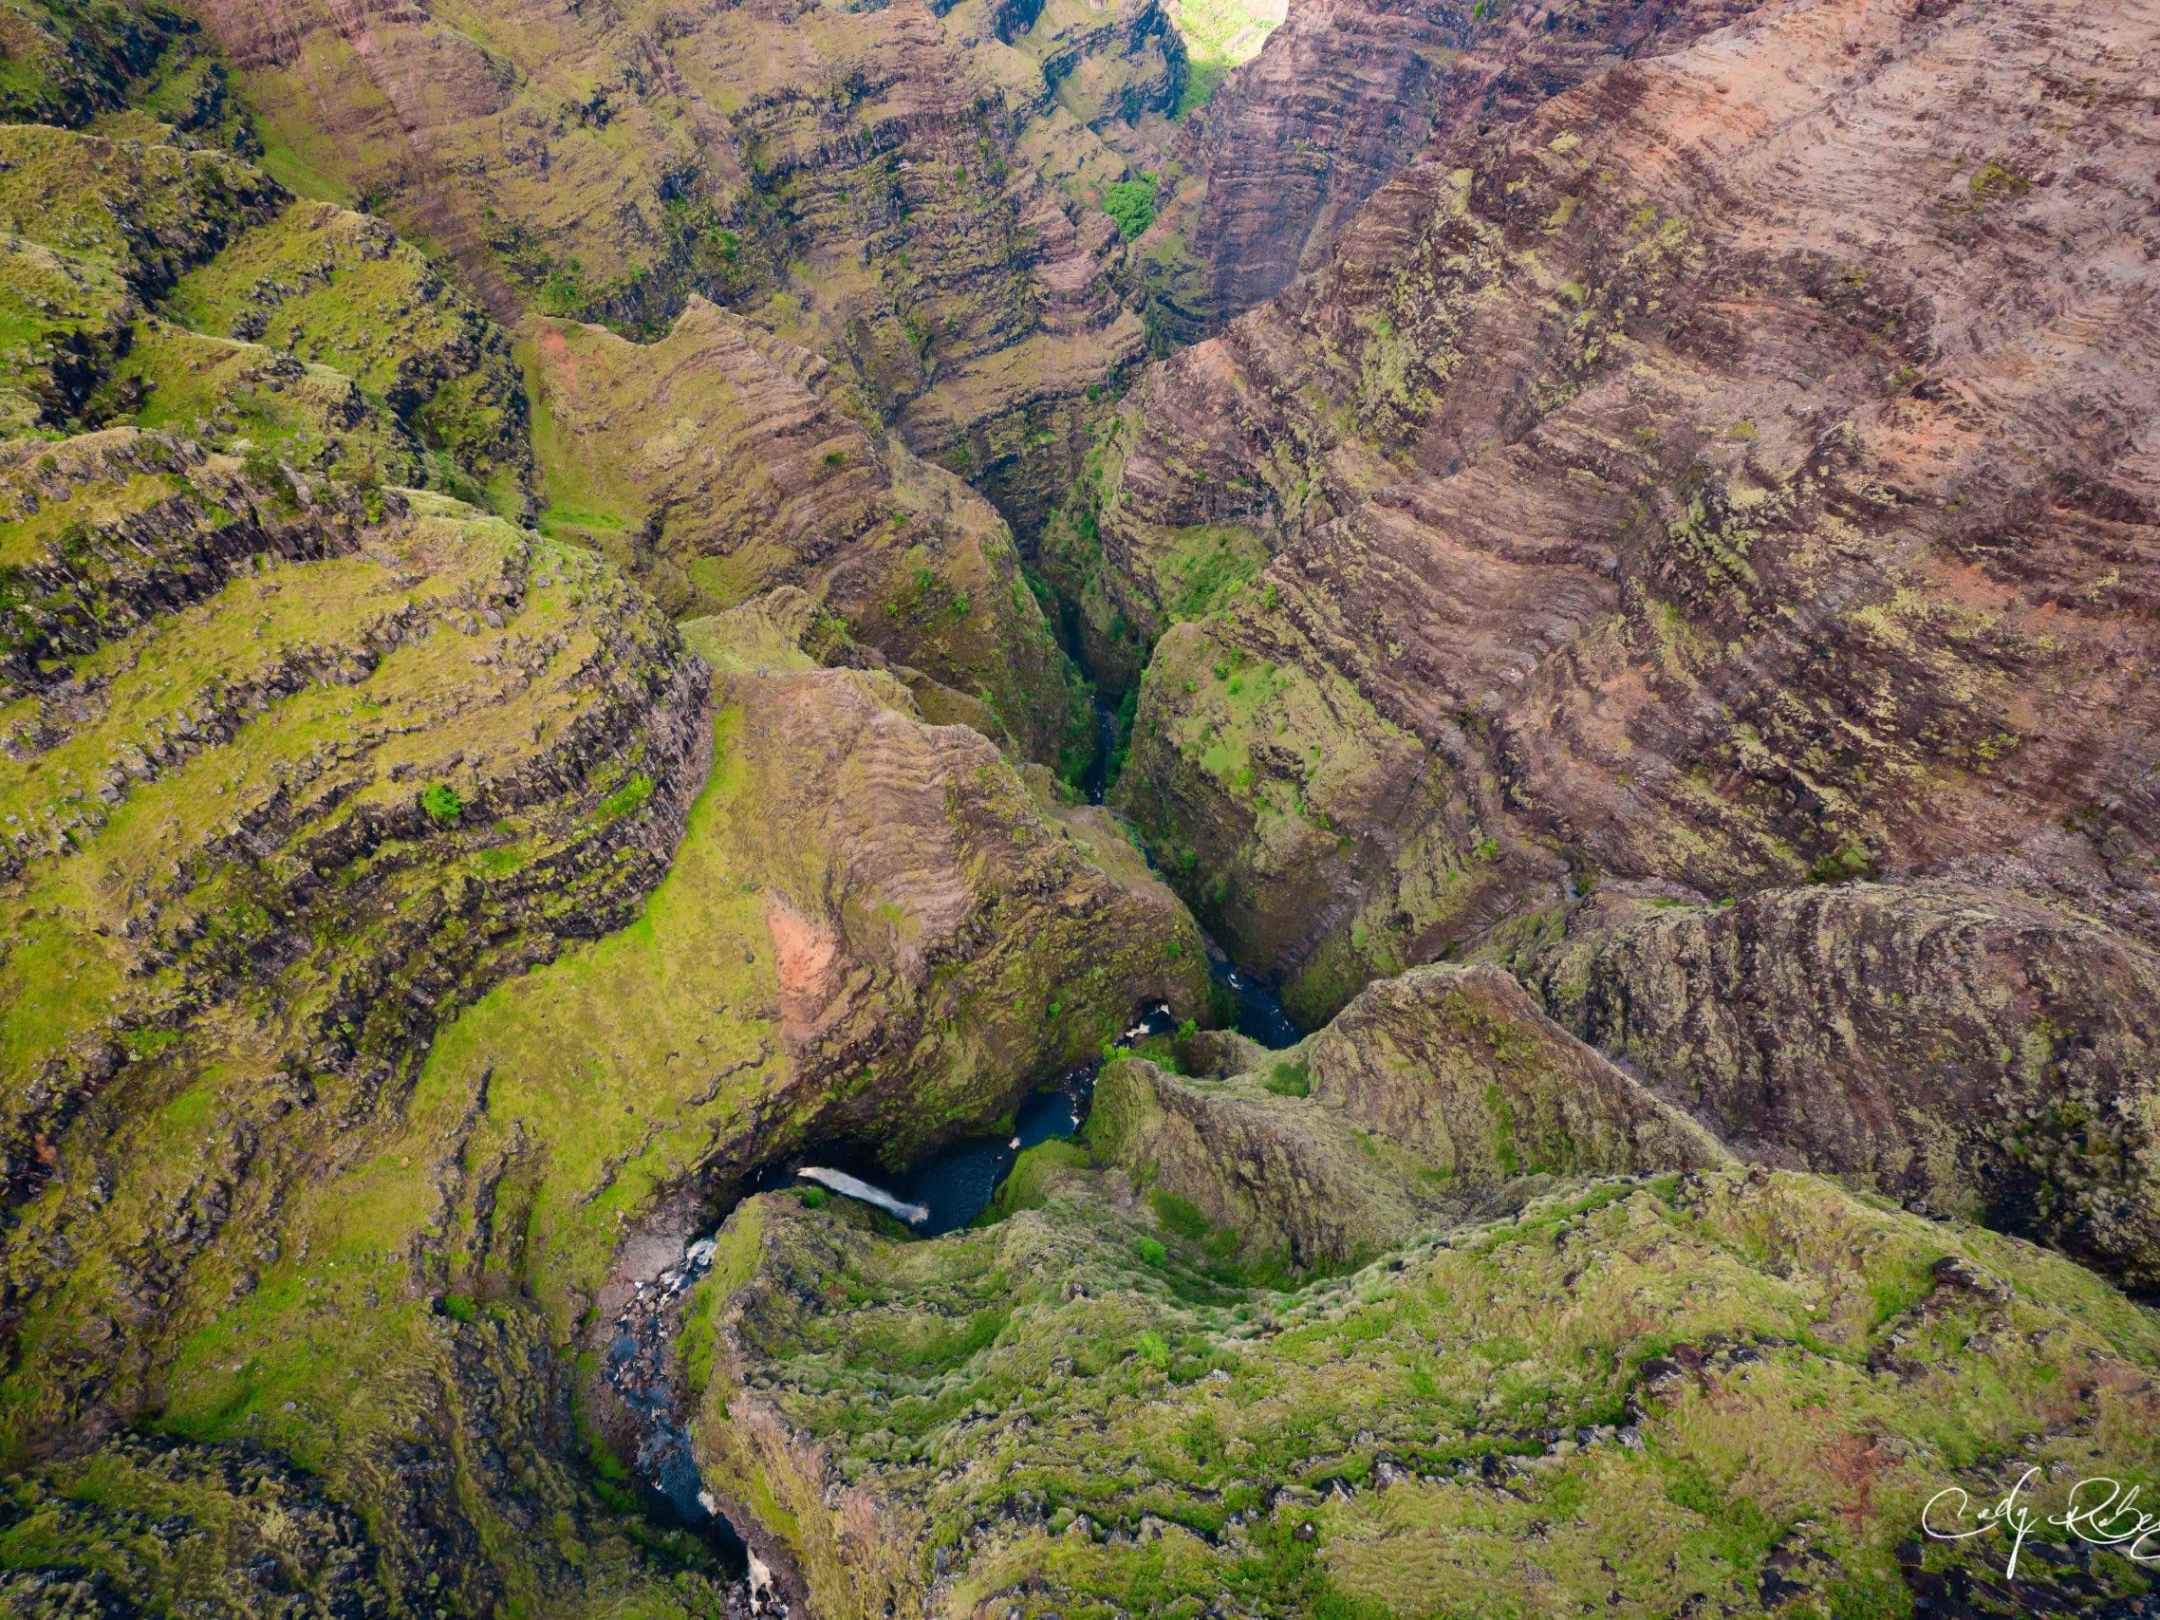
(1969, 1051)
(1720, 1392)
(1435, 1096)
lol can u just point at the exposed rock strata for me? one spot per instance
(1344, 94)
(1967, 1051)
(908, 186)
(722, 462)
(1082, 1407)
(1706, 478)
(315, 771)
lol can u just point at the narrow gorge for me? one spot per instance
(1063, 809)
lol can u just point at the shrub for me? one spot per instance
(1131, 203)
(1848, 865)
(1150, 1251)
(1290, 1080)
(443, 804)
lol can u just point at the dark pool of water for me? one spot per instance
(1260, 1015)
(957, 1181)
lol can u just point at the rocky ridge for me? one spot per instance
(1965, 1051)
(1434, 1097)
(1735, 1390)
(1689, 491)
(772, 472)
(1343, 95)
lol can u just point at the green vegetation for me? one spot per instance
(1386, 1438)
(1997, 182)
(1851, 864)
(1131, 203)
(442, 803)
(1219, 35)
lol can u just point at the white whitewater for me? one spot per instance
(848, 1186)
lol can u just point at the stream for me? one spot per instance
(942, 1192)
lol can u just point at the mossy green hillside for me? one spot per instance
(232, 922)
(180, 288)
(1668, 1389)
(858, 935)
(1257, 780)
(772, 470)
(911, 198)
(117, 65)
(1432, 1098)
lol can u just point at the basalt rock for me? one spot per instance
(1630, 494)
(1970, 1052)
(1343, 95)
(291, 774)
(910, 187)
(182, 288)
(1434, 1097)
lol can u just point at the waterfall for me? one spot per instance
(841, 1182)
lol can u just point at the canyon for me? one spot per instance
(1440, 718)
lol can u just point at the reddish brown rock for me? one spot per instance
(722, 462)
(1717, 477)
(906, 186)
(1971, 1052)
(1346, 92)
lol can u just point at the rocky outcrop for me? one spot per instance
(1434, 1097)
(1343, 95)
(771, 472)
(1630, 494)
(101, 63)
(910, 187)
(1966, 1051)
(442, 749)
(1083, 1406)
(249, 1529)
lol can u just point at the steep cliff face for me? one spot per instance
(1344, 94)
(1443, 1094)
(290, 774)
(913, 188)
(1965, 1050)
(306, 775)
(1732, 1391)
(454, 747)
(722, 462)
(1704, 479)
(167, 287)
(121, 66)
